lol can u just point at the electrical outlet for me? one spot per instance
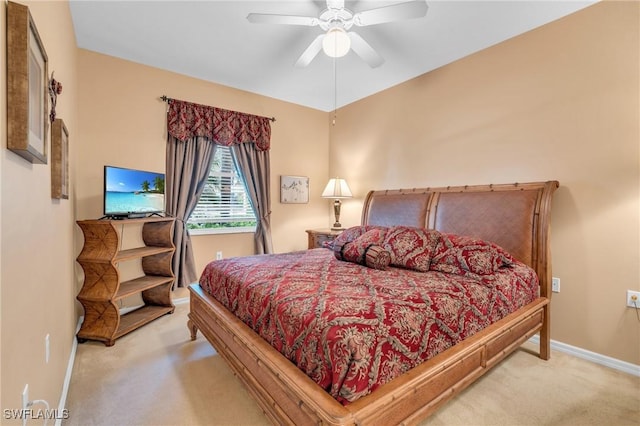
(555, 285)
(218, 255)
(47, 351)
(633, 296)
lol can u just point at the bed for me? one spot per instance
(514, 217)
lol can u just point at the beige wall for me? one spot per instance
(37, 265)
(560, 102)
(123, 123)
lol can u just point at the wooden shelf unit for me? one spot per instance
(103, 288)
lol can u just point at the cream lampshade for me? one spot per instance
(337, 188)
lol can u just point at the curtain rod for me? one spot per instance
(165, 98)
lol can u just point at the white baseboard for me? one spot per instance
(67, 376)
(596, 358)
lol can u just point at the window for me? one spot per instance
(224, 205)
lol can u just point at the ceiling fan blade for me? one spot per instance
(394, 12)
(335, 4)
(365, 51)
(310, 52)
(266, 18)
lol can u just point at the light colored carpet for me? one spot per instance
(158, 376)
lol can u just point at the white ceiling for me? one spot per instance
(212, 40)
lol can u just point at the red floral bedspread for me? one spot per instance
(352, 328)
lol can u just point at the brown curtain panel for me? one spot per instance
(193, 131)
(255, 168)
(188, 164)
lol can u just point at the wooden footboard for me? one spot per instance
(288, 396)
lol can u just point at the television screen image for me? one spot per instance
(130, 192)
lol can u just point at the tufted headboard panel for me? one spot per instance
(514, 216)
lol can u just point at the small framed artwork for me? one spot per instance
(27, 81)
(59, 160)
(294, 189)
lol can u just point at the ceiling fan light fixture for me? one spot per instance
(336, 43)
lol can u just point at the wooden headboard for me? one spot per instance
(514, 216)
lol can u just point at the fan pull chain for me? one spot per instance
(335, 90)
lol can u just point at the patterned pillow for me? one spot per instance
(411, 247)
(376, 257)
(364, 250)
(460, 254)
(351, 234)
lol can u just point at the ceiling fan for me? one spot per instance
(336, 21)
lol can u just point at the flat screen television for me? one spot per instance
(131, 193)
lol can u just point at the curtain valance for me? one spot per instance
(186, 120)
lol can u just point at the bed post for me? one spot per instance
(544, 265)
(193, 329)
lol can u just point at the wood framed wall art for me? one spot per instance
(27, 80)
(59, 160)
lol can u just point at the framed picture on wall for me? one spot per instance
(59, 160)
(27, 80)
(294, 189)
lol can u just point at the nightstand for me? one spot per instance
(319, 236)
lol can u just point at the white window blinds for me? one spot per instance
(224, 201)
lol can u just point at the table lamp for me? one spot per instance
(337, 188)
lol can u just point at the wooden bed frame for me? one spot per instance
(514, 216)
